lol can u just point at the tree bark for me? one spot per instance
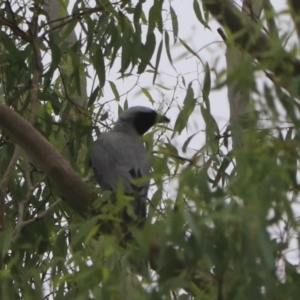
(239, 94)
(74, 191)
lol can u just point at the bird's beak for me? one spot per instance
(162, 119)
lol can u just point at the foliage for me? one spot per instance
(223, 222)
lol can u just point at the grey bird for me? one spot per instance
(119, 157)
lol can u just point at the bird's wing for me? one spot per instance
(118, 157)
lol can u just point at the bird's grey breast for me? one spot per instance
(117, 156)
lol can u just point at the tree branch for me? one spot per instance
(21, 223)
(247, 36)
(58, 170)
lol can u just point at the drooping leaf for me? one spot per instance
(146, 52)
(114, 90)
(198, 13)
(189, 48)
(189, 104)
(148, 95)
(98, 62)
(174, 23)
(157, 60)
(167, 44)
(206, 87)
(93, 96)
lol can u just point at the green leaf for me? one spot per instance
(104, 116)
(55, 57)
(157, 60)
(114, 90)
(186, 143)
(163, 87)
(289, 134)
(210, 121)
(60, 248)
(211, 130)
(183, 81)
(54, 100)
(155, 17)
(136, 17)
(174, 23)
(206, 87)
(125, 106)
(90, 33)
(224, 165)
(7, 42)
(171, 148)
(6, 238)
(148, 95)
(155, 200)
(198, 13)
(127, 47)
(189, 49)
(93, 96)
(266, 249)
(83, 231)
(98, 62)
(188, 107)
(167, 44)
(146, 52)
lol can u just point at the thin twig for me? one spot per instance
(23, 203)
(42, 214)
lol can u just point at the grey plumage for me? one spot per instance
(119, 157)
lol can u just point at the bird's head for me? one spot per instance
(139, 119)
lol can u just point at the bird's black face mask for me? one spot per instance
(145, 120)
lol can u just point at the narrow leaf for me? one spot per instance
(209, 120)
(174, 23)
(114, 90)
(157, 60)
(186, 143)
(126, 49)
(206, 87)
(148, 95)
(98, 62)
(167, 44)
(93, 96)
(146, 52)
(224, 165)
(189, 49)
(198, 13)
(188, 107)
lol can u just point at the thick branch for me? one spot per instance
(58, 170)
(249, 39)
